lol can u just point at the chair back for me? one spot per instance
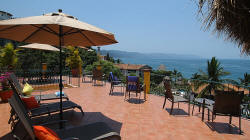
(228, 102)
(168, 92)
(132, 83)
(111, 76)
(22, 115)
(13, 79)
(17, 97)
(97, 74)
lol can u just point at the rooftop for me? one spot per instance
(134, 121)
(131, 66)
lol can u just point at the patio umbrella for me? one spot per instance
(40, 47)
(57, 29)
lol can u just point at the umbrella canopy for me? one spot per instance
(40, 47)
(45, 29)
(57, 29)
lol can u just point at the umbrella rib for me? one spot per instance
(87, 38)
(9, 28)
(33, 33)
(108, 38)
(50, 30)
(69, 31)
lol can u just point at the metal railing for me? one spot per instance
(185, 86)
(46, 79)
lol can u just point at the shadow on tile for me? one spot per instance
(117, 94)
(177, 112)
(135, 101)
(221, 127)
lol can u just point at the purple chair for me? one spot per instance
(132, 85)
(114, 82)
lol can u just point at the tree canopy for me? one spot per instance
(230, 18)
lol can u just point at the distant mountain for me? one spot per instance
(125, 54)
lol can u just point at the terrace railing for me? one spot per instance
(186, 86)
(46, 79)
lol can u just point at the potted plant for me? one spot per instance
(74, 61)
(5, 92)
(8, 57)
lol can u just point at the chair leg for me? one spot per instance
(230, 119)
(199, 108)
(240, 123)
(110, 90)
(193, 110)
(172, 106)
(189, 108)
(212, 117)
(164, 102)
(208, 114)
(80, 108)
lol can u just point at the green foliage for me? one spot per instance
(245, 80)
(157, 76)
(107, 67)
(8, 56)
(88, 56)
(132, 74)
(73, 60)
(211, 79)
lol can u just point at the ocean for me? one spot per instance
(236, 67)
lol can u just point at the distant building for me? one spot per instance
(5, 15)
(127, 69)
(162, 67)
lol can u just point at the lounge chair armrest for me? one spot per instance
(71, 138)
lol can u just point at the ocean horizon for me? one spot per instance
(236, 67)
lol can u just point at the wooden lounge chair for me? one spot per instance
(173, 98)
(41, 97)
(227, 103)
(44, 109)
(114, 82)
(94, 131)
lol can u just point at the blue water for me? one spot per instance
(187, 67)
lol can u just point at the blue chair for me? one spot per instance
(132, 85)
(115, 82)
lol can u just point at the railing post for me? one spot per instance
(146, 75)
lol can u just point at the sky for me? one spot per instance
(147, 26)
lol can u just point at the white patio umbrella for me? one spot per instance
(38, 46)
(57, 29)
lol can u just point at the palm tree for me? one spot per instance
(212, 78)
(230, 19)
(246, 80)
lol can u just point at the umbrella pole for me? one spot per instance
(60, 82)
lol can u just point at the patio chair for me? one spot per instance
(97, 76)
(88, 75)
(173, 98)
(44, 109)
(39, 98)
(227, 103)
(132, 85)
(114, 83)
(94, 131)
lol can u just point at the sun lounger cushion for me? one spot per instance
(45, 133)
(30, 102)
(27, 89)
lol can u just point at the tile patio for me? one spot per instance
(145, 121)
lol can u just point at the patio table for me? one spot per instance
(204, 102)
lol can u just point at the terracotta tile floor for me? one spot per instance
(145, 121)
